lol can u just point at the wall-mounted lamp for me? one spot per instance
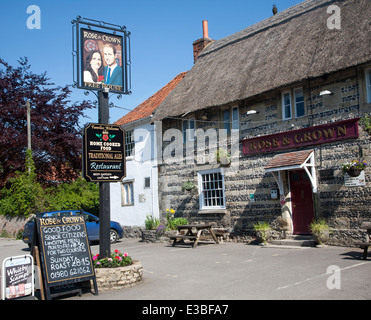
(326, 93)
(251, 112)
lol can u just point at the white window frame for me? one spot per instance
(188, 130)
(296, 103)
(368, 85)
(214, 191)
(284, 116)
(127, 193)
(129, 145)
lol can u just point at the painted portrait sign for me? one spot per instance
(101, 64)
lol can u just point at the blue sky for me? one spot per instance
(162, 33)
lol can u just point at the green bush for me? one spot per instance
(173, 223)
(26, 196)
(151, 223)
(78, 194)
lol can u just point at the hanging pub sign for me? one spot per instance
(104, 153)
(102, 56)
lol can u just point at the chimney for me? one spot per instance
(202, 43)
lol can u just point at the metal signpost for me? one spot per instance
(101, 54)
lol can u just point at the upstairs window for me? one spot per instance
(188, 129)
(235, 119)
(226, 121)
(231, 119)
(286, 106)
(129, 143)
(293, 104)
(299, 102)
(368, 85)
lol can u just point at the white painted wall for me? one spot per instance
(143, 164)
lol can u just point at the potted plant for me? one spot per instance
(263, 232)
(223, 157)
(151, 223)
(321, 231)
(354, 167)
(188, 185)
(149, 234)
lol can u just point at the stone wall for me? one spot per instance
(118, 278)
(11, 226)
(248, 186)
(132, 231)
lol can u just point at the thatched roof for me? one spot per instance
(291, 46)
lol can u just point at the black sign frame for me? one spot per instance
(99, 34)
(104, 153)
(74, 259)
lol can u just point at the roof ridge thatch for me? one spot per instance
(289, 47)
(271, 22)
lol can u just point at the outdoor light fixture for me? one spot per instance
(251, 112)
(325, 93)
(106, 90)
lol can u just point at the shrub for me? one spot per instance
(151, 223)
(24, 197)
(78, 194)
(173, 223)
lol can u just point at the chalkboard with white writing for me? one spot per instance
(64, 250)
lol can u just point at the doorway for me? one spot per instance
(302, 201)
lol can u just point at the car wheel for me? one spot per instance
(113, 236)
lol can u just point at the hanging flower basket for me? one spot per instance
(354, 168)
(353, 172)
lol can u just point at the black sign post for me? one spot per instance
(104, 162)
(64, 252)
(109, 46)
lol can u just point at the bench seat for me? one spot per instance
(179, 236)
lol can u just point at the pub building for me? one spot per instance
(292, 93)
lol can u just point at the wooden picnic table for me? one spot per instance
(367, 243)
(193, 233)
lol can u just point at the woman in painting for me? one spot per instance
(93, 67)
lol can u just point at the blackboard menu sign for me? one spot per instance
(64, 250)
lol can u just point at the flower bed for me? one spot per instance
(117, 271)
(120, 277)
(117, 259)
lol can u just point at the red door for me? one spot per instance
(302, 201)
